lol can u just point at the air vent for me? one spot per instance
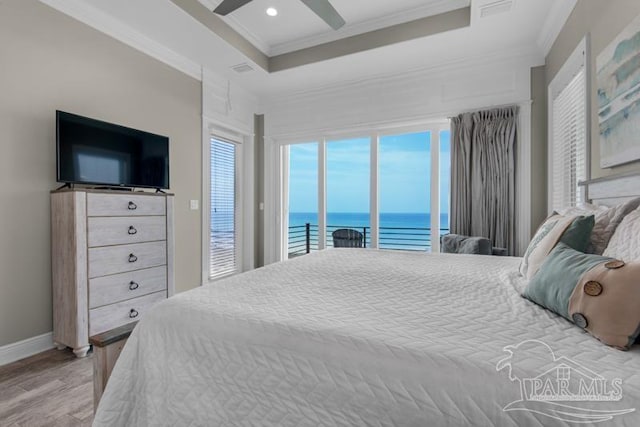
(242, 68)
(496, 8)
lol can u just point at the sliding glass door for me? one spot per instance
(445, 180)
(391, 190)
(348, 190)
(404, 177)
(302, 236)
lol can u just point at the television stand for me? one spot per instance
(67, 185)
(114, 188)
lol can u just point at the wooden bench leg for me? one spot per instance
(107, 347)
(104, 359)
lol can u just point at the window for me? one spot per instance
(348, 187)
(568, 131)
(445, 180)
(404, 163)
(303, 199)
(223, 259)
(392, 187)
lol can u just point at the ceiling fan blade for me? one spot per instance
(324, 10)
(228, 6)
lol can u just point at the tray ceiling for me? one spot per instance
(297, 27)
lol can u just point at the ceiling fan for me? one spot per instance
(322, 8)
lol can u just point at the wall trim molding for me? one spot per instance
(25, 348)
(106, 24)
(513, 55)
(523, 178)
(557, 17)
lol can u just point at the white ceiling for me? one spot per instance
(163, 29)
(297, 27)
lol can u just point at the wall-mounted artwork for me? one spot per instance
(618, 68)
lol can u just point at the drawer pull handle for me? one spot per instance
(133, 313)
(132, 206)
(132, 258)
(133, 286)
(132, 230)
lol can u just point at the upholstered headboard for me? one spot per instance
(612, 190)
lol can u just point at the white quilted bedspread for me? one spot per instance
(349, 337)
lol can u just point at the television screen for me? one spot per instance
(94, 152)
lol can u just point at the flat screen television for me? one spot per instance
(93, 152)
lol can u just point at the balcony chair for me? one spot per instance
(347, 238)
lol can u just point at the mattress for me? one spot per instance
(354, 337)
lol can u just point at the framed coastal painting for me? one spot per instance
(618, 79)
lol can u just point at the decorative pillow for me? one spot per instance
(571, 230)
(557, 278)
(607, 220)
(625, 243)
(457, 244)
(606, 302)
(598, 294)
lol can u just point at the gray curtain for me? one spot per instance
(483, 175)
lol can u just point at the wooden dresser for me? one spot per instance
(112, 259)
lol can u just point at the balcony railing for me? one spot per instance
(304, 238)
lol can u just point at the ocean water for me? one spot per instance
(408, 231)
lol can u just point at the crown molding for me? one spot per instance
(532, 57)
(557, 17)
(433, 8)
(107, 24)
(249, 35)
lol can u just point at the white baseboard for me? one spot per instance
(25, 348)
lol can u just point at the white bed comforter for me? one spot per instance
(349, 338)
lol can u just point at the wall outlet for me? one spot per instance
(194, 205)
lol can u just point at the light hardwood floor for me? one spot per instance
(53, 388)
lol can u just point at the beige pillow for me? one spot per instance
(625, 243)
(606, 303)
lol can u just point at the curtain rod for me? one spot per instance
(493, 107)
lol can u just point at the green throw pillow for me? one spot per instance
(558, 275)
(574, 231)
(578, 235)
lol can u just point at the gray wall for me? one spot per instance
(604, 19)
(49, 61)
(538, 147)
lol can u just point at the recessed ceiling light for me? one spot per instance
(272, 11)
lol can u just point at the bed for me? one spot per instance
(357, 337)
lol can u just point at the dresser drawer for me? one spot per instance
(123, 258)
(125, 205)
(105, 231)
(120, 287)
(112, 316)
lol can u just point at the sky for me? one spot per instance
(404, 182)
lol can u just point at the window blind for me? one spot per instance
(222, 253)
(569, 144)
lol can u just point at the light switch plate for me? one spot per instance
(194, 205)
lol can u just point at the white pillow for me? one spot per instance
(625, 243)
(607, 220)
(543, 242)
